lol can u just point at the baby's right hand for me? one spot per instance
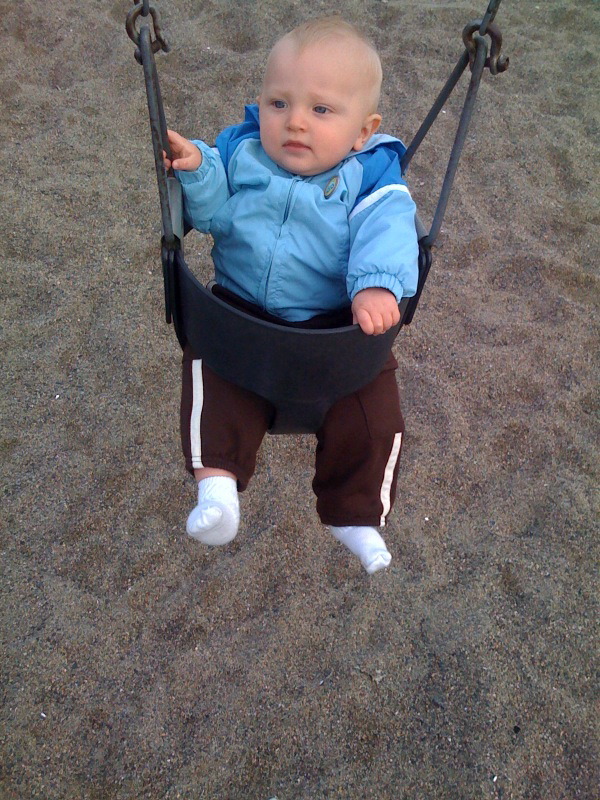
(185, 154)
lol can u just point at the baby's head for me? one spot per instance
(319, 96)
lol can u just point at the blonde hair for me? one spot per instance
(315, 31)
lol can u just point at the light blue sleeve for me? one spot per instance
(205, 190)
(384, 250)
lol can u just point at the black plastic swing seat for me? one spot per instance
(302, 372)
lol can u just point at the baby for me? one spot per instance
(309, 216)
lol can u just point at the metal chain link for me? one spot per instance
(472, 34)
(144, 9)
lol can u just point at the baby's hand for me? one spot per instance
(186, 155)
(375, 310)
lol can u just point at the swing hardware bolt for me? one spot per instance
(494, 62)
(143, 9)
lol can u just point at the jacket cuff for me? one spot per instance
(185, 176)
(377, 280)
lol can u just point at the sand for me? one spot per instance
(137, 664)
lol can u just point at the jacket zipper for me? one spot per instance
(286, 213)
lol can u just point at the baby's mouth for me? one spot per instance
(293, 144)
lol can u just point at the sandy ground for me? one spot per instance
(137, 664)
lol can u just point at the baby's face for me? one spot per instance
(315, 105)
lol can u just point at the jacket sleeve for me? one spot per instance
(384, 250)
(205, 190)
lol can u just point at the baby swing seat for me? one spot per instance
(301, 371)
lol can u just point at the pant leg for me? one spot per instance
(222, 425)
(358, 453)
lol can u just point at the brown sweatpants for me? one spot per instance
(358, 445)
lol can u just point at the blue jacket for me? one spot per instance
(301, 246)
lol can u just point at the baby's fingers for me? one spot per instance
(188, 162)
(389, 318)
(378, 321)
(175, 140)
(385, 319)
(363, 318)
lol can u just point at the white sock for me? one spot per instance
(216, 518)
(366, 543)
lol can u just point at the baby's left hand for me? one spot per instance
(375, 310)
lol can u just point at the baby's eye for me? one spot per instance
(320, 109)
(278, 103)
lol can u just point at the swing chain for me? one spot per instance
(144, 9)
(472, 34)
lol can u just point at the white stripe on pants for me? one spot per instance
(196, 415)
(388, 477)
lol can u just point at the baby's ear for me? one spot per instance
(375, 123)
(370, 126)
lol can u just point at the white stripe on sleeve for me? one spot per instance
(377, 195)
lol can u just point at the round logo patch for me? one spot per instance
(331, 187)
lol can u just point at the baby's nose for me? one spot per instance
(296, 120)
